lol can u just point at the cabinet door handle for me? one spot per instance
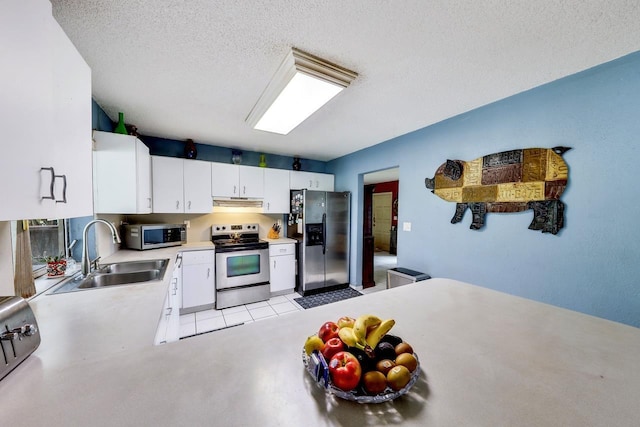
(64, 188)
(268, 206)
(208, 272)
(274, 263)
(53, 178)
(177, 204)
(234, 189)
(189, 205)
(244, 189)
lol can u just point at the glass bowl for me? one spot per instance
(357, 395)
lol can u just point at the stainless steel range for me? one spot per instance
(242, 265)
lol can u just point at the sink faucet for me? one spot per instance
(86, 264)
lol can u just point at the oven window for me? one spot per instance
(243, 265)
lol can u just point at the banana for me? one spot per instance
(348, 336)
(374, 337)
(363, 324)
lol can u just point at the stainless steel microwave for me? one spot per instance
(153, 236)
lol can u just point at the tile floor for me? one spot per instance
(211, 320)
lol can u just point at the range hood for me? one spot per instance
(237, 202)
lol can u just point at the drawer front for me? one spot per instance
(198, 257)
(283, 249)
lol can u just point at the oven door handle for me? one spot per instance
(324, 233)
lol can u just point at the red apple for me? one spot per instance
(345, 370)
(331, 347)
(328, 330)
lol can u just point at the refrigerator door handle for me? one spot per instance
(324, 233)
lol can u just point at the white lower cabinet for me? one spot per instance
(165, 314)
(198, 281)
(169, 325)
(282, 262)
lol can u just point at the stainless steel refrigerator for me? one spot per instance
(319, 220)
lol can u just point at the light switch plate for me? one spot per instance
(406, 226)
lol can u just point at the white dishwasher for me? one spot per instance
(198, 281)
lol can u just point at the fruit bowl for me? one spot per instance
(358, 395)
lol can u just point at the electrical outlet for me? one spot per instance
(406, 226)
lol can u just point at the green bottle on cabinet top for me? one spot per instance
(120, 128)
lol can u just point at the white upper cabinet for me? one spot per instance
(251, 181)
(197, 186)
(181, 185)
(168, 184)
(72, 125)
(276, 191)
(225, 179)
(311, 181)
(45, 115)
(236, 181)
(121, 174)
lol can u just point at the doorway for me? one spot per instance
(379, 227)
(382, 220)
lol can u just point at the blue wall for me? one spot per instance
(212, 153)
(99, 119)
(592, 264)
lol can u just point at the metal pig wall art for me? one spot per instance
(511, 181)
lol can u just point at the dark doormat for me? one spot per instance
(327, 297)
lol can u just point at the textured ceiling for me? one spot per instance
(194, 69)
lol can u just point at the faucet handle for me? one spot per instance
(95, 263)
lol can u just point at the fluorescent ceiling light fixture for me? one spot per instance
(302, 85)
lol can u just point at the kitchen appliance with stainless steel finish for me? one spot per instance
(153, 236)
(19, 334)
(319, 220)
(242, 265)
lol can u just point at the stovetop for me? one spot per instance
(233, 241)
(229, 235)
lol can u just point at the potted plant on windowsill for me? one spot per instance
(56, 265)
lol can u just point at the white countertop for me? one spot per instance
(488, 359)
(280, 241)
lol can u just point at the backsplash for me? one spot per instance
(200, 225)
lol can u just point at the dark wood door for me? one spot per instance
(368, 246)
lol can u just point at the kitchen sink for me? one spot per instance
(134, 266)
(120, 273)
(99, 280)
